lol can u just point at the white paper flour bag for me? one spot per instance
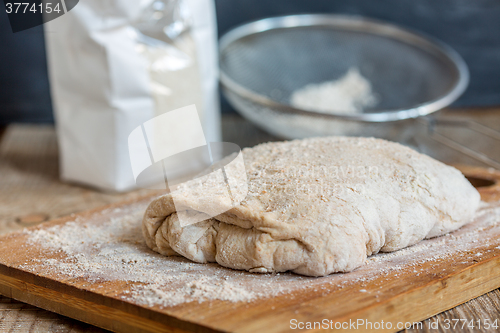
(114, 65)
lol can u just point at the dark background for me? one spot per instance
(472, 27)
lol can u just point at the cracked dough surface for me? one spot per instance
(315, 207)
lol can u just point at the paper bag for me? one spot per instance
(116, 64)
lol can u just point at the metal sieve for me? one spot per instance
(262, 63)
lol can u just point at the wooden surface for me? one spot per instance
(29, 186)
(442, 273)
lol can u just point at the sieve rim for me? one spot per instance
(356, 24)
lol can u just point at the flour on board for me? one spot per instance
(109, 246)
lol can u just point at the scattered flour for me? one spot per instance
(350, 94)
(109, 247)
(114, 250)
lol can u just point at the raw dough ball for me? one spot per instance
(315, 207)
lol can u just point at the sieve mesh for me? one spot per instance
(264, 62)
(277, 62)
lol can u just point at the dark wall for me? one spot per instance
(24, 85)
(472, 27)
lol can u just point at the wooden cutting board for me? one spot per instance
(402, 287)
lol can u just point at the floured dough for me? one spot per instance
(316, 206)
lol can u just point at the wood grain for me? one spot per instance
(30, 189)
(19, 317)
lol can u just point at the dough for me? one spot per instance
(316, 206)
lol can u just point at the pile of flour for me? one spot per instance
(350, 94)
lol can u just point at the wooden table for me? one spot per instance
(31, 193)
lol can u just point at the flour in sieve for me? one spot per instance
(350, 94)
